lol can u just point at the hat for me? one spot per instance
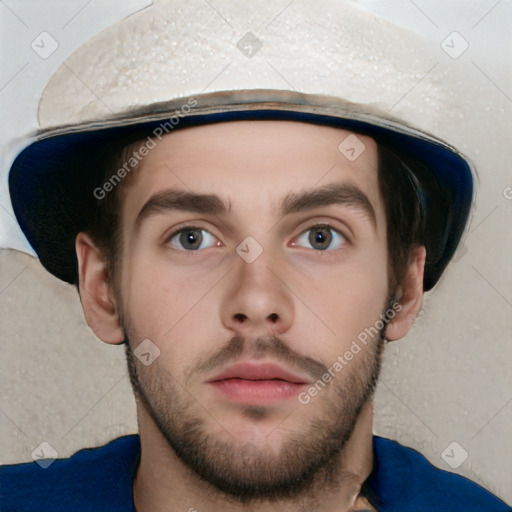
(182, 63)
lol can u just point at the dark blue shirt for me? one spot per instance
(100, 480)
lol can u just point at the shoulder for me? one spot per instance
(93, 479)
(403, 479)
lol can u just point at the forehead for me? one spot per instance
(253, 165)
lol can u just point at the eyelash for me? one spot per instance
(199, 228)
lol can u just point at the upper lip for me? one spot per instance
(258, 371)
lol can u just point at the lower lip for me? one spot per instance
(254, 392)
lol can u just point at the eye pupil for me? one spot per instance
(321, 236)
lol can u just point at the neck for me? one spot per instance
(164, 484)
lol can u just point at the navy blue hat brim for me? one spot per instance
(51, 184)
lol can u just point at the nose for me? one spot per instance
(258, 300)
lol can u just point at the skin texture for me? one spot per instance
(206, 309)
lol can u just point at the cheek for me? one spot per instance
(348, 300)
(148, 292)
(165, 303)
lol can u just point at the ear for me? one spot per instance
(409, 295)
(96, 292)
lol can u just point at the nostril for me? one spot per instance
(273, 317)
(240, 317)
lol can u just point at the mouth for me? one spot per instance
(253, 383)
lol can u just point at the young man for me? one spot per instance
(254, 248)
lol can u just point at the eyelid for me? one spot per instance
(326, 225)
(169, 235)
(335, 224)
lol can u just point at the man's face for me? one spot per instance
(272, 277)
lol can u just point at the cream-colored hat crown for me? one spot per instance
(177, 49)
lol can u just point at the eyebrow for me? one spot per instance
(337, 194)
(169, 200)
(309, 199)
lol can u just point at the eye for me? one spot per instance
(191, 238)
(321, 237)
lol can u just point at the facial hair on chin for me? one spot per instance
(244, 473)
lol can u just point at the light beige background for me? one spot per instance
(449, 380)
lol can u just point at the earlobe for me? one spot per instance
(409, 296)
(95, 291)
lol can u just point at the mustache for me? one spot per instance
(264, 347)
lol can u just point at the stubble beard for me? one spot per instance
(243, 473)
